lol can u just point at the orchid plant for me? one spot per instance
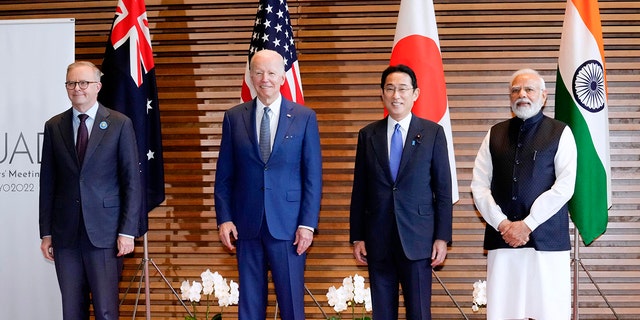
(212, 283)
(351, 292)
(479, 295)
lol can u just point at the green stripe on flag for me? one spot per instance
(588, 206)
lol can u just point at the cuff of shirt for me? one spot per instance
(531, 223)
(308, 228)
(126, 235)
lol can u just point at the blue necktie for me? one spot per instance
(265, 135)
(395, 151)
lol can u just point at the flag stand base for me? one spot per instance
(577, 263)
(144, 267)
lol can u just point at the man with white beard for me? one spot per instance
(523, 177)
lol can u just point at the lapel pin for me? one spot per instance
(288, 115)
(103, 125)
(417, 139)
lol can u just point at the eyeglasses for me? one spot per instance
(401, 90)
(70, 85)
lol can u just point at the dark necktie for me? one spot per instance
(265, 135)
(83, 137)
(395, 151)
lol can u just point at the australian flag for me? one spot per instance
(272, 30)
(129, 86)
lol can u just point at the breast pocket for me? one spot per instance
(292, 148)
(543, 163)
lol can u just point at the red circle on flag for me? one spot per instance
(423, 56)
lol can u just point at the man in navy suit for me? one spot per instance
(267, 190)
(89, 209)
(401, 205)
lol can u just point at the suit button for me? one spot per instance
(266, 168)
(395, 189)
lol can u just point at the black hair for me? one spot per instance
(399, 68)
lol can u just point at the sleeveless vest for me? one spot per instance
(522, 154)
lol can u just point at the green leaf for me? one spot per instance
(217, 317)
(190, 318)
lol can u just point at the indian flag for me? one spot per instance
(581, 102)
(416, 45)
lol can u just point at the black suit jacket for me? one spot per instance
(105, 191)
(418, 203)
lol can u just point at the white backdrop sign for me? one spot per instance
(33, 62)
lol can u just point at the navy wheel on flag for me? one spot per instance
(588, 86)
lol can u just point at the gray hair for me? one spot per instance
(97, 73)
(531, 72)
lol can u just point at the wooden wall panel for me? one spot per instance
(200, 49)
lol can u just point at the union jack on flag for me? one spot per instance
(272, 30)
(131, 24)
(129, 86)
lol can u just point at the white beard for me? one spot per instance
(525, 113)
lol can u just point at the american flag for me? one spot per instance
(272, 30)
(129, 86)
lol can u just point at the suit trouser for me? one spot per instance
(86, 273)
(413, 275)
(255, 258)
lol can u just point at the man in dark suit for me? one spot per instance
(401, 204)
(268, 189)
(90, 197)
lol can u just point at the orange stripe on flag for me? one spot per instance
(590, 14)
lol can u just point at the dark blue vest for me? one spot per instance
(522, 154)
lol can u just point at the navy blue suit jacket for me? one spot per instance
(105, 191)
(287, 188)
(418, 202)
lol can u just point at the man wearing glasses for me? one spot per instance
(523, 177)
(401, 207)
(90, 197)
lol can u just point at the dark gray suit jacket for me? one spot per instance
(418, 202)
(105, 191)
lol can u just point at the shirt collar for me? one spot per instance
(404, 123)
(91, 112)
(275, 106)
